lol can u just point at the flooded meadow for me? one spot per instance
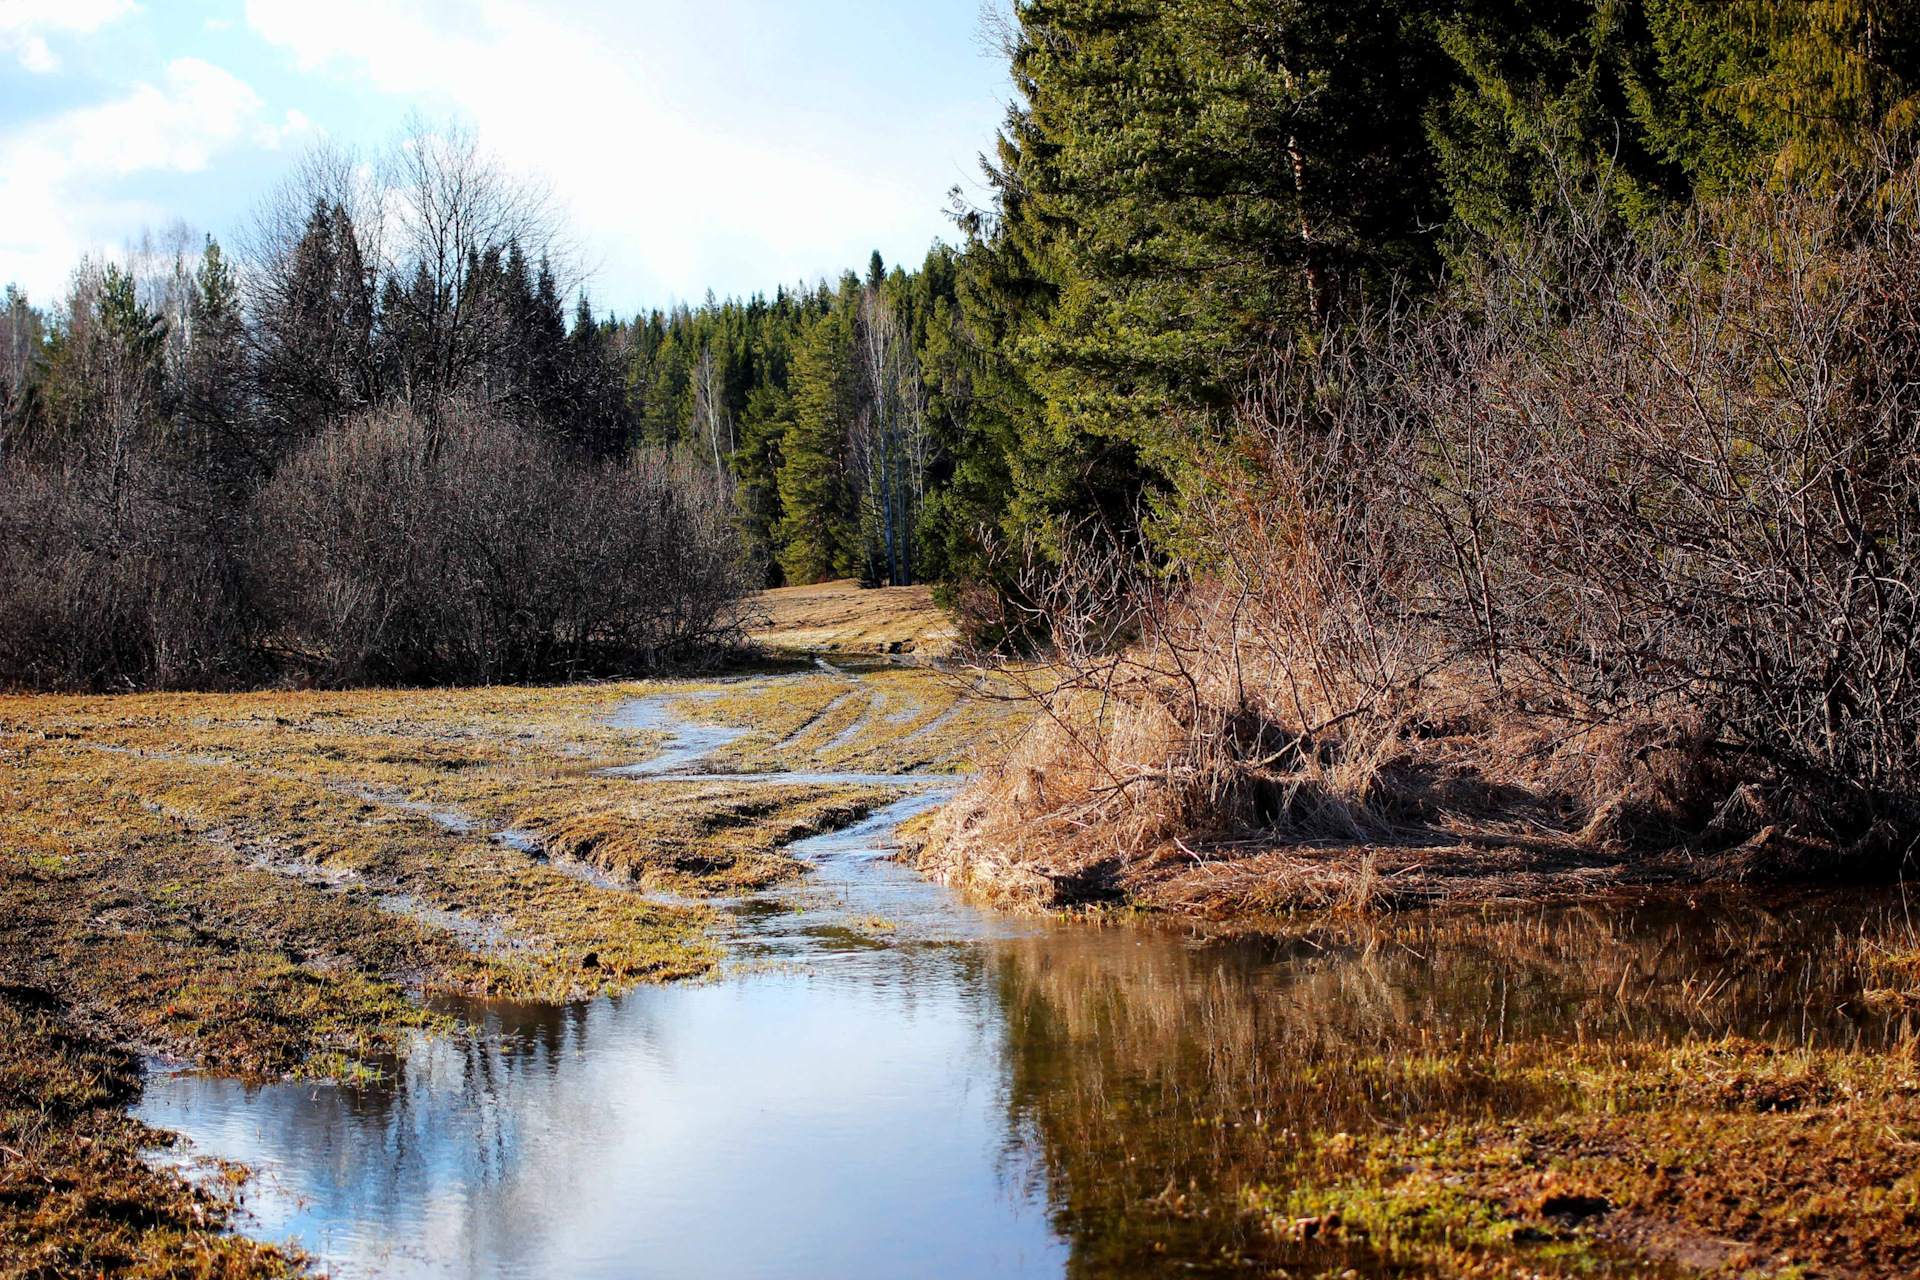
(880, 1080)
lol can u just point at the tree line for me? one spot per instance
(1183, 193)
(366, 447)
(829, 408)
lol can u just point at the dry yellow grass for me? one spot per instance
(844, 618)
(1124, 800)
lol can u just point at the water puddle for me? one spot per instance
(688, 742)
(889, 1083)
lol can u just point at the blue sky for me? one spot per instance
(720, 144)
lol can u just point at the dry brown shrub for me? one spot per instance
(388, 550)
(115, 577)
(1609, 556)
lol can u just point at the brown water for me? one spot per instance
(964, 1095)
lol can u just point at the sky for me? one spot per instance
(724, 145)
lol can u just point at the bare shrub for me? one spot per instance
(1699, 498)
(116, 578)
(1610, 553)
(392, 551)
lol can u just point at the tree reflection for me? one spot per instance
(1157, 1077)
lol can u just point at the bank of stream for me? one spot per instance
(884, 1081)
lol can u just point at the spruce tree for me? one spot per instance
(1197, 180)
(214, 407)
(314, 332)
(818, 537)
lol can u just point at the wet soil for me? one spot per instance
(286, 885)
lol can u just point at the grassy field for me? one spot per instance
(266, 884)
(847, 619)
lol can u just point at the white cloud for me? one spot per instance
(201, 109)
(674, 182)
(24, 25)
(66, 15)
(57, 175)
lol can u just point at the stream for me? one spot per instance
(886, 1082)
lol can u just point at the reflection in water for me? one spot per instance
(1066, 1100)
(1155, 1076)
(837, 1123)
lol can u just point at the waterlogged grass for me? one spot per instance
(1730, 1158)
(76, 1199)
(266, 884)
(234, 825)
(1612, 1090)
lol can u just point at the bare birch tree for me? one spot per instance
(891, 443)
(710, 411)
(452, 205)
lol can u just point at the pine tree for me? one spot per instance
(1653, 103)
(594, 417)
(757, 466)
(106, 376)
